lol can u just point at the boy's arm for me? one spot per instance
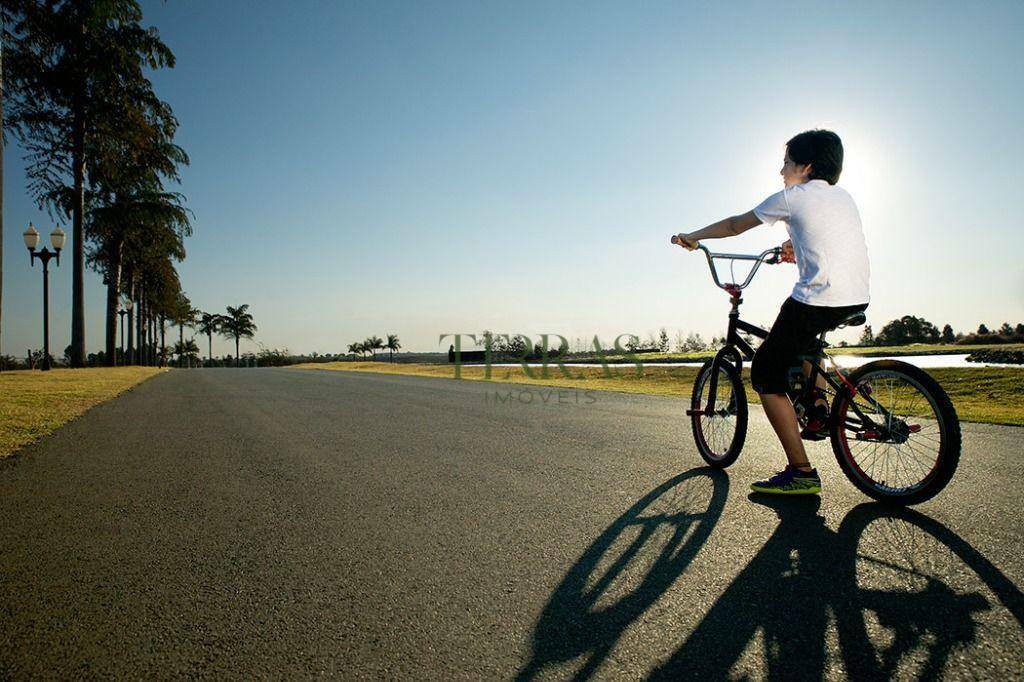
(730, 227)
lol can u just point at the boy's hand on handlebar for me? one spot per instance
(788, 256)
(683, 240)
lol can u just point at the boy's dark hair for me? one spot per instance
(822, 149)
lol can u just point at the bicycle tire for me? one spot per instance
(721, 455)
(948, 429)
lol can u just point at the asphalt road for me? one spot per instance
(292, 523)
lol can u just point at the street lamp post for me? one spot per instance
(57, 238)
(121, 313)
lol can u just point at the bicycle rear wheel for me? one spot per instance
(909, 449)
(719, 434)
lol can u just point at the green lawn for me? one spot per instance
(864, 351)
(33, 403)
(992, 395)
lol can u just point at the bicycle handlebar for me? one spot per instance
(770, 256)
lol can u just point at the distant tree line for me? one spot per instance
(372, 344)
(149, 346)
(911, 329)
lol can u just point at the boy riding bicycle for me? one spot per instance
(827, 244)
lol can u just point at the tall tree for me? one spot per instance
(867, 337)
(187, 352)
(209, 324)
(129, 201)
(184, 315)
(8, 9)
(373, 344)
(3, 37)
(74, 65)
(162, 288)
(392, 345)
(237, 324)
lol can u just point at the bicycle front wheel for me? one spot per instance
(906, 446)
(720, 432)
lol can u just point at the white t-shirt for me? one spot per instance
(828, 241)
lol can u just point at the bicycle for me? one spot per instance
(893, 429)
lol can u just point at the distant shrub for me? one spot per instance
(274, 357)
(976, 339)
(1010, 357)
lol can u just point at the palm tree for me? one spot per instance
(137, 225)
(392, 346)
(76, 69)
(355, 348)
(209, 324)
(186, 351)
(237, 324)
(162, 290)
(184, 315)
(372, 344)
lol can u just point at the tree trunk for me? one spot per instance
(138, 324)
(1, 204)
(181, 340)
(146, 328)
(140, 337)
(78, 236)
(130, 350)
(141, 340)
(236, 351)
(163, 340)
(113, 294)
(210, 337)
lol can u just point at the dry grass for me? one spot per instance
(993, 395)
(34, 404)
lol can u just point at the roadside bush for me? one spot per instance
(1011, 357)
(274, 357)
(976, 339)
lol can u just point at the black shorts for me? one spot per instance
(791, 338)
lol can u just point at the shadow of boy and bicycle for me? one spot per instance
(902, 591)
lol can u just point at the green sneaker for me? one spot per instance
(790, 481)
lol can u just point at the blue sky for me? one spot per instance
(437, 167)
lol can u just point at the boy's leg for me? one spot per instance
(780, 413)
(819, 381)
(769, 374)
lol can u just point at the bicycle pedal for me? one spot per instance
(813, 434)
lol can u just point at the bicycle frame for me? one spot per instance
(736, 349)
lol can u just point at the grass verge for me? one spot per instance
(862, 351)
(993, 395)
(34, 404)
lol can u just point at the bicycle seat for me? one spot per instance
(851, 320)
